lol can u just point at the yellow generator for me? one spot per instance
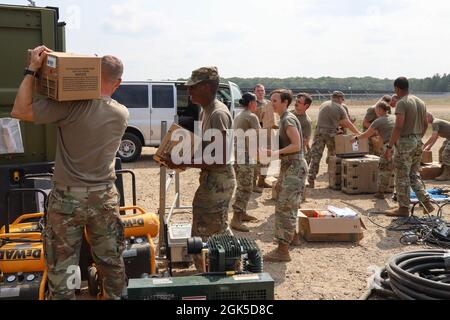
(23, 274)
(140, 251)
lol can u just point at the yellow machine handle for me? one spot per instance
(26, 236)
(25, 217)
(141, 210)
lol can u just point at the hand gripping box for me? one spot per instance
(346, 149)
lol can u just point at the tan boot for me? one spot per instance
(428, 208)
(248, 218)
(236, 223)
(296, 242)
(379, 195)
(311, 183)
(445, 174)
(280, 254)
(400, 212)
(263, 184)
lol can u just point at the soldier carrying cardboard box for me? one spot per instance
(441, 128)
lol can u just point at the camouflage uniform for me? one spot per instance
(444, 153)
(69, 215)
(217, 184)
(409, 149)
(211, 202)
(244, 177)
(330, 114)
(290, 186)
(385, 169)
(315, 155)
(407, 157)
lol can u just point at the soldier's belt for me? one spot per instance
(83, 189)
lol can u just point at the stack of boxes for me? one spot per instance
(430, 170)
(352, 170)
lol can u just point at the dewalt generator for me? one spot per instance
(140, 252)
(23, 274)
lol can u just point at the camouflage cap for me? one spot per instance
(338, 94)
(203, 74)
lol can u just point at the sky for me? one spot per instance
(262, 38)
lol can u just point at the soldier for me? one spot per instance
(261, 110)
(383, 127)
(245, 166)
(410, 127)
(217, 183)
(370, 117)
(331, 115)
(441, 128)
(302, 104)
(291, 182)
(84, 197)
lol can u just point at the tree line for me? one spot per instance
(437, 83)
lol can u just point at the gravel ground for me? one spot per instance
(318, 270)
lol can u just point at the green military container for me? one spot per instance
(22, 28)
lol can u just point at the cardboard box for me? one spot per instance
(431, 171)
(329, 229)
(360, 175)
(163, 154)
(427, 157)
(69, 77)
(345, 149)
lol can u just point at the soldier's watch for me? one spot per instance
(30, 72)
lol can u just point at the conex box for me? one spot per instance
(314, 227)
(68, 77)
(344, 148)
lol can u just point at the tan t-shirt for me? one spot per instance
(442, 127)
(286, 120)
(216, 116)
(306, 123)
(384, 125)
(88, 137)
(245, 121)
(260, 109)
(330, 114)
(415, 112)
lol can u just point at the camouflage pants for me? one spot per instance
(69, 215)
(320, 141)
(244, 177)
(408, 154)
(444, 153)
(290, 186)
(260, 170)
(385, 170)
(211, 202)
(308, 155)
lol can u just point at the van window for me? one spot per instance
(132, 96)
(162, 97)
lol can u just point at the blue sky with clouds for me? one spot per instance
(247, 38)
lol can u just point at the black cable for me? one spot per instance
(416, 275)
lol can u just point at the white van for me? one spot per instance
(151, 102)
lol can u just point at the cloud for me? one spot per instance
(133, 18)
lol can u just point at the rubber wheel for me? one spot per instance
(130, 148)
(93, 282)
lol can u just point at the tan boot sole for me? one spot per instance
(248, 218)
(275, 256)
(239, 227)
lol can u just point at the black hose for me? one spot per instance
(406, 272)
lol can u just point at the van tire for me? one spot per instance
(130, 148)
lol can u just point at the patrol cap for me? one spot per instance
(338, 94)
(203, 74)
